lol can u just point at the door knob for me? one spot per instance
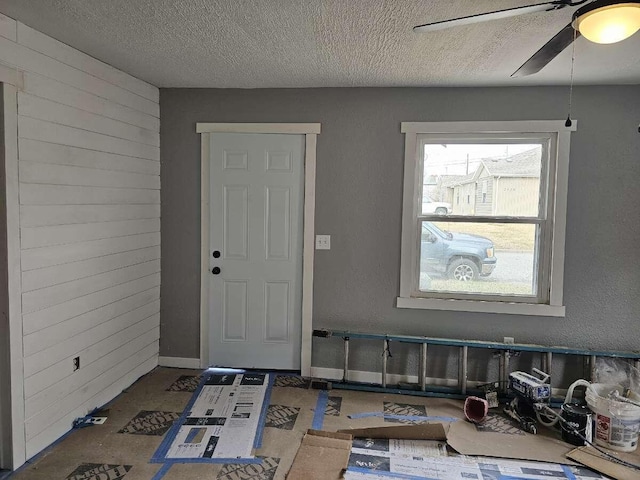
(215, 270)
(216, 254)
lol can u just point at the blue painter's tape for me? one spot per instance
(161, 453)
(241, 460)
(568, 472)
(416, 418)
(365, 415)
(47, 449)
(162, 472)
(257, 442)
(37, 456)
(419, 418)
(321, 407)
(387, 474)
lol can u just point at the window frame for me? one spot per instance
(543, 221)
(552, 249)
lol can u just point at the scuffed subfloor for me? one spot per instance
(141, 416)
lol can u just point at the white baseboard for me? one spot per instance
(362, 376)
(179, 362)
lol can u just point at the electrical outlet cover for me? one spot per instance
(323, 242)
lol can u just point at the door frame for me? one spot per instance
(310, 131)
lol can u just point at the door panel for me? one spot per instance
(278, 223)
(236, 222)
(277, 312)
(255, 298)
(234, 312)
(235, 160)
(279, 161)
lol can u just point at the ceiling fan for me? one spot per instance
(601, 21)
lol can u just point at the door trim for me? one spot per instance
(293, 128)
(310, 131)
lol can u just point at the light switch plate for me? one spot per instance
(323, 242)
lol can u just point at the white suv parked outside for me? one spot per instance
(439, 208)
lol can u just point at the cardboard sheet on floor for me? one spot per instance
(464, 468)
(416, 451)
(321, 455)
(546, 446)
(592, 458)
(465, 439)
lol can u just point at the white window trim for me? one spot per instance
(555, 307)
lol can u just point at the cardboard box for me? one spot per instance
(325, 455)
(528, 450)
(464, 438)
(593, 459)
(546, 446)
(322, 455)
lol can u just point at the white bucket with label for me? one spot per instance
(616, 423)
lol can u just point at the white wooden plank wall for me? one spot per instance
(89, 172)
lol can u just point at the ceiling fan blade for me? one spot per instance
(548, 52)
(483, 17)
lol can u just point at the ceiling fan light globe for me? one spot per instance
(610, 23)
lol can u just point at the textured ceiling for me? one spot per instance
(320, 43)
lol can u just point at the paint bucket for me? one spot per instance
(616, 423)
(577, 418)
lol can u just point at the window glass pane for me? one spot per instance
(496, 179)
(481, 258)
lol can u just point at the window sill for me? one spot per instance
(482, 306)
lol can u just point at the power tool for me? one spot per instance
(531, 400)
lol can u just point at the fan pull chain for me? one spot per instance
(568, 123)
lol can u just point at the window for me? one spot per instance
(503, 250)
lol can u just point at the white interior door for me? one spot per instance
(255, 255)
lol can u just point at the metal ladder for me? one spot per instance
(505, 351)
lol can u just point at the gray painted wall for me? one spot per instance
(359, 201)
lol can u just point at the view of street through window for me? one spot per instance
(500, 181)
